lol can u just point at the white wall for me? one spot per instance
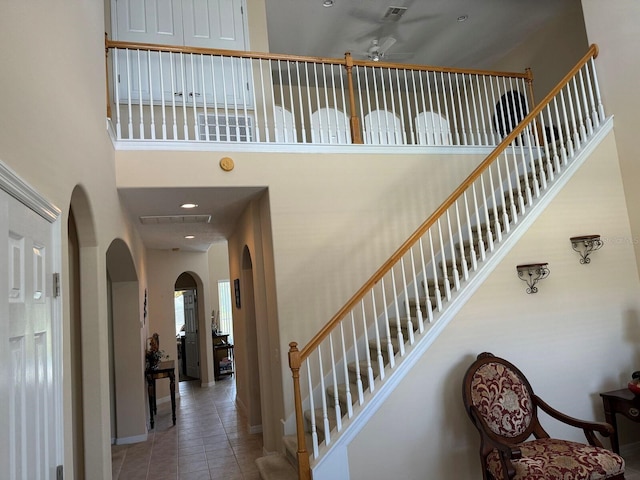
(578, 336)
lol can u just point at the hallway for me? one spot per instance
(210, 440)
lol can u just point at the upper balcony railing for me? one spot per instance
(167, 93)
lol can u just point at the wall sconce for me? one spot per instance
(532, 274)
(585, 244)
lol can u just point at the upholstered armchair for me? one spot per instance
(514, 445)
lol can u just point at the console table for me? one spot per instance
(163, 370)
(222, 349)
(621, 401)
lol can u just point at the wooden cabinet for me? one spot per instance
(222, 356)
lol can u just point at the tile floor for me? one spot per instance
(632, 469)
(210, 440)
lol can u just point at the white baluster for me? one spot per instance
(357, 362)
(399, 334)
(323, 403)
(436, 283)
(314, 428)
(443, 263)
(454, 120)
(347, 383)
(428, 303)
(414, 280)
(405, 291)
(454, 262)
(162, 98)
(116, 89)
(173, 97)
(372, 387)
(463, 257)
(336, 398)
(478, 223)
(378, 341)
(472, 249)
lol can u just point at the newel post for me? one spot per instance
(353, 121)
(106, 72)
(304, 471)
(536, 124)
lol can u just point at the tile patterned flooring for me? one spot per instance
(210, 440)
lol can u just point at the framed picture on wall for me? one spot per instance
(236, 290)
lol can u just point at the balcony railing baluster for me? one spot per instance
(192, 94)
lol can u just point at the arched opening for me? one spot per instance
(126, 343)
(254, 411)
(83, 338)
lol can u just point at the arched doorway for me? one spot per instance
(251, 336)
(126, 343)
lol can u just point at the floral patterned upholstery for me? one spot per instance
(504, 400)
(551, 459)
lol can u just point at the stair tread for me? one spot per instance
(276, 467)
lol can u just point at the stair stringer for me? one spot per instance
(332, 461)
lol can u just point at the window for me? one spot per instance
(225, 318)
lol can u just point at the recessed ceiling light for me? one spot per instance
(463, 18)
(327, 3)
(189, 237)
(189, 205)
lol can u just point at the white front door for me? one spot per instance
(30, 357)
(191, 334)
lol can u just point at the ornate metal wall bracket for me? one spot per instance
(585, 244)
(532, 273)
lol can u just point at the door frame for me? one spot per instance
(14, 186)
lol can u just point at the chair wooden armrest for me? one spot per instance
(490, 442)
(588, 427)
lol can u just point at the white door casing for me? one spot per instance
(30, 328)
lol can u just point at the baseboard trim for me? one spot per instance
(255, 429)
(129, 440)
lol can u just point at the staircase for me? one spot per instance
(345, 373)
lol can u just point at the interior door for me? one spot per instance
(192, 353)
(214, 24)
(149, 21)
(30, 397)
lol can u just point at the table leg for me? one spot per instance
(172, 388)
(151, 390)
(610, 417)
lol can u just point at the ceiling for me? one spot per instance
(163, 224)
(428, 32)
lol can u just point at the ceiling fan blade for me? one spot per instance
(386, 44)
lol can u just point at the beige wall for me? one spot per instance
(614, 27)
(334, 219)
(53, 135)
(550, 52)
(576, 337)
(163, 268)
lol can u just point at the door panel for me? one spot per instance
(214, 24)
(149, 21)
(27, 360)
(191, 334)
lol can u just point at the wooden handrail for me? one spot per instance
(422, 229)
(300, 58)
(347, 62)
